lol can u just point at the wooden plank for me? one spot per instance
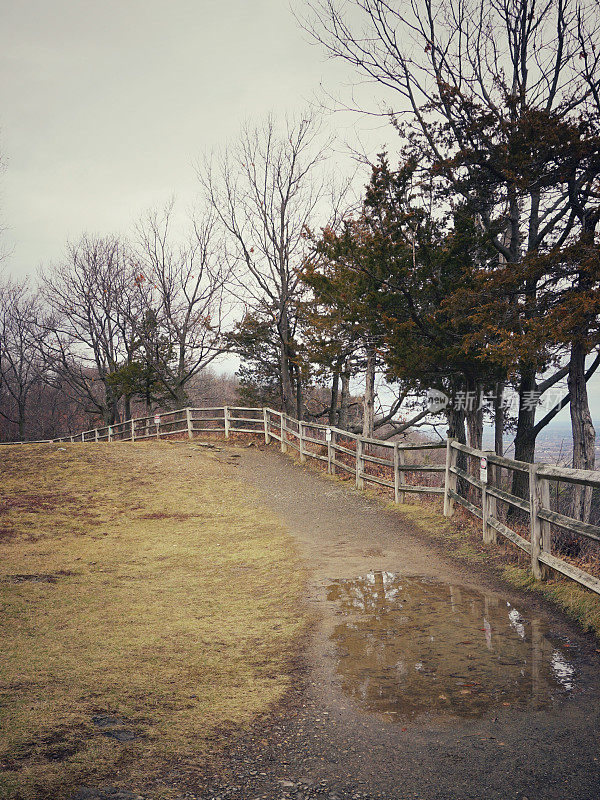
(465, 475)
(247, 419)
(576, 574)
(196, 429)
(377, 442)
(316, 426)
(509, 463)
(226, 418)
(207, 419)
(374, 460)
(536, 502)
(450, 483)
(509, 534)
(338, 447)
(407, 487)
(172, 433)
(427, 446)
(582, 528)
(315, 455)
(500, 494)
(522, 466)
(585, 477)
(399, 457)
(466, 503)
(470, 451)
(422, 468)
(345, 434)
(359, 463)
(314, 441)
(341, 464)
(374, 479)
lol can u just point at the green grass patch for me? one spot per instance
(138, 583)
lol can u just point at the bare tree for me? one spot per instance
(267, 192)
(182, 291)
(93, 334)
(22, 365)
(501, 101)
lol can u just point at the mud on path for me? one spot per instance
(423, 677)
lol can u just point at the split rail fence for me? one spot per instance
(401, 468)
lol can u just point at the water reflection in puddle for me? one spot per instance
(413, 645)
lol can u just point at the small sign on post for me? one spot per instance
(328, 434)
(157, 419)
(483, 469)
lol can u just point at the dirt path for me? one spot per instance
(423, 678)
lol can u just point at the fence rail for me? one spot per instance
(389, 465)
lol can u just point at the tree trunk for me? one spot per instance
(456, 424)
(334, 397)
(456, 430)
(584, 435)
(525, 438)
(288, 399)
(21, 412)
(499, 419)
(287, 393)
(111, 410)
(344, 401)
(474, 416)
(298, 393)
(127, 410)
(369, 397)
(180, 396)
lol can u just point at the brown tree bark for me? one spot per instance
(369, 396)
(344, 400)
(335, 382)
(584, 434)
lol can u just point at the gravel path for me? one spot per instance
(422, 677)
(345, 734)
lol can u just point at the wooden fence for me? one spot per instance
(401, 468)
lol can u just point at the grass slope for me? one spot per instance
(137, 582)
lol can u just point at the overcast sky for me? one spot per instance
(105, 106)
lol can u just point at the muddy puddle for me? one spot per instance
(409, 646)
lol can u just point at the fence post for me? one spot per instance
(266, 419)
(449, 478)
(188, 417)
(539, 497)
(359, 463)
(72, 438)
(282, 433)
(488, 504)
(83, 436)
(226, 418)
(399, 460)
(301, 441)
(133, 430)
(110, 433)
(96, 437)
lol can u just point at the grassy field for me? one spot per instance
(149, 604)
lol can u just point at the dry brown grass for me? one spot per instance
(139, 582)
